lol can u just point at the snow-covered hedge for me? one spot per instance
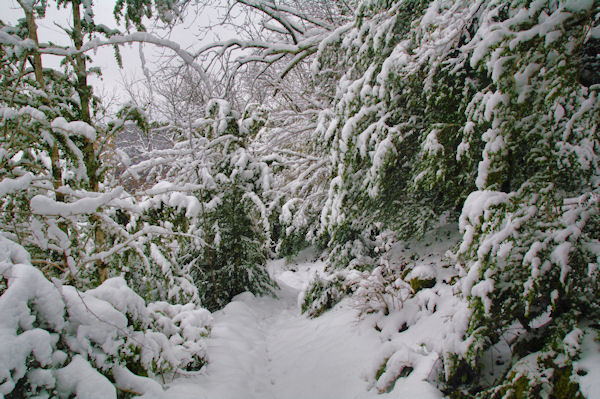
(56, 341)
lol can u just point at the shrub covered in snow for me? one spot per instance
(58, 341)
(324, 293)
(484, 106)
(214, 202)
(158, 267)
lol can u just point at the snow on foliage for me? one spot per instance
(75, 128)
(410, 298)
(213, 195)
(484, 106)
(484, 113)
(56, 340)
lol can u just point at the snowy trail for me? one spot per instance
(264, 348)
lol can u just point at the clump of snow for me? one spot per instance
(432, 145)
(11, 253)
(560, 256)
(9, 186)
(121, 297)
(127, 381)
(578, 5)
(76, 128)
(474, 209)
(42, 205)
(422, 272)
(79, 378)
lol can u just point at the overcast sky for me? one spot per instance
(113, 77)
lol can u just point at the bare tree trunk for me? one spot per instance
(91, 162)
(32, 29)
(39, 77)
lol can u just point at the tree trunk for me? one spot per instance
(39, 77)
(32, 29)
(91, 162)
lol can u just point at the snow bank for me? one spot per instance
(411, 301)
(588, 366)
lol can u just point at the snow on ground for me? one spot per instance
(262, 347)
(588, 367)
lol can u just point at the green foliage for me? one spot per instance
(459, 374)
(396, 132)
(238, 236)
(163, 270)
(107, 330)
(220, 229)
(322, 295)
(562, 385)
(237, 262)
(487, 106)
(44, 159)
(492, 119)
(529, 242)
(53, 147)
(530, 382)
(381, 369)
(405, 372)
(290, 244)
(136, 12)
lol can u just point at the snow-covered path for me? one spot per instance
(264, 348)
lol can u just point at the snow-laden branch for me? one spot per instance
(75, 128)
(9, 186)
(135, 37)
(144, 232)
(280, 9)
(167, 187)
(289, 34)
(42, 205)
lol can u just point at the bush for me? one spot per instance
(58, 341)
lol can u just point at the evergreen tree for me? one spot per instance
(395, 128)
(530, 229)
(219, 185)
(238, 237)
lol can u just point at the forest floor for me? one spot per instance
(263, 347)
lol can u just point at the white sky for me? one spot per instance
(111, 83)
